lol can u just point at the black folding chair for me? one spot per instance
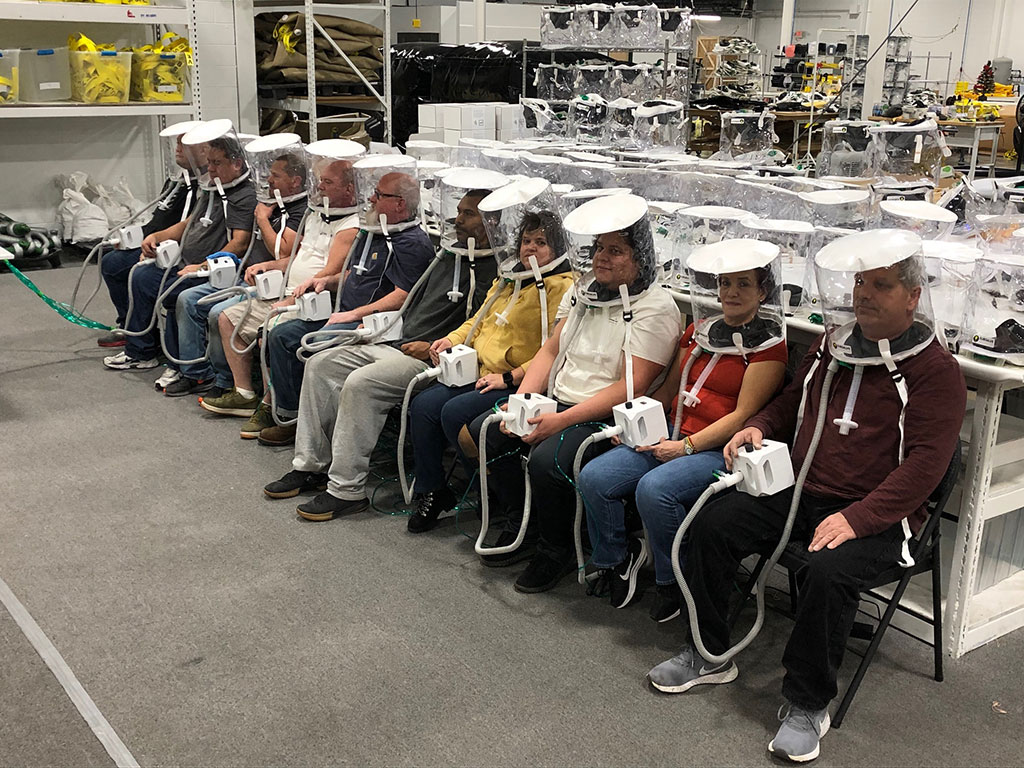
(924, 549)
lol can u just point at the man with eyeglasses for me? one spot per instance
(391, 266)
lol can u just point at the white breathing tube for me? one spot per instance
(726, 482)
(433, 372)
(249, 292)
(485, 514)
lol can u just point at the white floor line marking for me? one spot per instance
(86, 706)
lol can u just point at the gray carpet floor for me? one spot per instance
(212, 627)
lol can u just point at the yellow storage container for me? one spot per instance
(9, 74)
(100, 77)
(159, 76)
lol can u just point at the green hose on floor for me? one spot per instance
(62, 309)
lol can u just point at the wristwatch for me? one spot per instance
(688, 446)
(508, 379)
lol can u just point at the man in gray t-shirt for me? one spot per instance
(218, 223)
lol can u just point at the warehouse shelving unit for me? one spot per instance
(378, 94)
(157, 17)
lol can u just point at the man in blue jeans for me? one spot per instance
(188, 341)
(116, 265)
(225, 227)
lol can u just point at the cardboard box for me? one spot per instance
(508, 117)
(467, 117)
(451, 138)
(429, 116)
(430, 134)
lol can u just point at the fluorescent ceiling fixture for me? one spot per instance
(707, 17)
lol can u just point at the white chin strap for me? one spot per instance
(188, 195)
(280, 229)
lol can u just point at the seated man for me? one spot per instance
(348, 391)
(275, 233)
(864, 493)
(382, 287)
(228, 228)
(116, 265)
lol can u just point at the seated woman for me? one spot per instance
(506, 333)
(582, 367)
(711, 397)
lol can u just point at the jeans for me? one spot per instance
(189, 336)
(664, 492)
(553, 505)
(735, 525)
(286, 369)
(145, 288)
(439, 413)
(115, 267)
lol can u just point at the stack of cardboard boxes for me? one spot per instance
(480, 120)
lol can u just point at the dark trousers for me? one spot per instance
(286, 369)
(736, 525)
(436, 415)
(145, 289)
(115, 267)
(553, 505)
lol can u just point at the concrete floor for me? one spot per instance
(213, 627)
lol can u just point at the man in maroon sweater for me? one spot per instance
(858, 507)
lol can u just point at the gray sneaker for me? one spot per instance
(687, 669)
(800, 733)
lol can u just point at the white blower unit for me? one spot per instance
(528, 405)
(315, 306)
(642, 421)
(458, 366)
(168, 253)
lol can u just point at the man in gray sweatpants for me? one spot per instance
(347, 392)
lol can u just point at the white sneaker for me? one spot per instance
(121, 362)
(168, 377)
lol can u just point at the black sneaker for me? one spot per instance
(622, 582)
(429, 507)
(186, 386)
(323, 507)
(668, 604)
(543, 573)
(115, 338)
(294, 483)
(524, 552)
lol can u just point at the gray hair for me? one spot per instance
(409, 189)
(910, 273)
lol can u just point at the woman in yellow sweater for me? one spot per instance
(506, 333)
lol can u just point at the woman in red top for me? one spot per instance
(668, 477)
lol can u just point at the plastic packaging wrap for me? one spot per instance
(540, 117)
(621, 116)
(844, 148)
(660, 123)
(635, 23)
(699, 225)
(558, 26)
(849, 208)
(797, 242)
(950, 271)
(588, 115)
(994, 317)
(424, 149)
(908, 152)
(594, 26)
(9, 75)
(554, 168)
(554, 82)
(927, 220)
(633, 81)
(674, 26)
(736, 296)
(504, 161)
(744, 132)
(593, 79)
(663, 214)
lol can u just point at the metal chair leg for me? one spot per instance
(937, 610)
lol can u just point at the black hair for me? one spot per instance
(550, 224)
(294, 165)
(230, 147)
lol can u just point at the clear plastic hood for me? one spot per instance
(331, 187)
(874, 294)
(278, 163)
